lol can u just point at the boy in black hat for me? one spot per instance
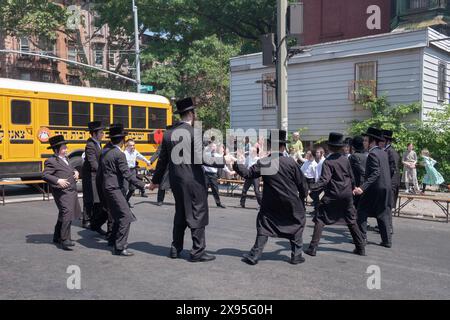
(337, 182)
(114, 171)
(94, 215)
(376, 199)
(62, 178)
(282, 212)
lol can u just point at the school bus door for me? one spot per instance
(19, 129)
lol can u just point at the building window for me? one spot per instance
(418, 4)
(20, 112)
(73, 80)
(102, 113)
(58, 112)
(81, 113)
(269, 90)
(442, 81)
(157, 118)
(121, 115)
(72, 52)
(24, 44)
(25, 76)
(112, 58)
(46, 77)
(138, 117)
(98, 55)
(365, 83)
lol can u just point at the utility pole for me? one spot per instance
(282, 111)
(138, 52)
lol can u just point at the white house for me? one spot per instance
(405, 66)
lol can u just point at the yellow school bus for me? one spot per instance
(31, 112)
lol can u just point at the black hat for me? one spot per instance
(358, 143)
(95, 126)
(184, 105)
(388, 134)
(374, 133)
(116, 131)
(282, 137)
(348, 141)
(56, 141)
(336, 139)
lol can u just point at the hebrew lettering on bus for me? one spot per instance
(17, 134)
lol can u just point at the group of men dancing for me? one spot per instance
(354, 188)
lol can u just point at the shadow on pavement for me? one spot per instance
(149, 248)
(40, 238)
(92, 240)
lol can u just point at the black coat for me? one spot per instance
(337, 183)
(66, 199)
(92, 154)
(377, 196)
(358, 162)
(187, 177)
(113, 173)
(282, 212)
(394, 165)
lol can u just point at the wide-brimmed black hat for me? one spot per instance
(116, 131)
(388, 134)
(348, 141)
(282, 137)
(95, 126)
(336, 139)
(358, 143)
(374, 133)
(56, 141)
(184, 105)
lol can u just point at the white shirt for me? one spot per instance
(309, 169)
(133, 156)
(250, 161)
(212, 169)
(319, 169)
(64, 159)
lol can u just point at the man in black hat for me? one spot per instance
(62, 178)
(282, 212)
(337, 183)
(358, 161)
(376, 199)
(394, 163)
(182, 154)
(93, 212)
(114, 171)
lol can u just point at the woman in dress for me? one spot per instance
(409, 161)
(432, 177)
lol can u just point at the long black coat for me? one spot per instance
(394, 165)
(337, 183)
(282, 212)
(66, 199)
(186, 175)
(358, 162)
(377, 196)
(112, 175)
(92, 154)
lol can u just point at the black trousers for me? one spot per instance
(247, 184)
(357, 235)
(131, 188)
(261, 240)
(119, 235)
(161, 195)
(88, 209)
(100, 216)
(62, 231)
(383, 225)
(315, 196)
(198, 239)
(211, 182)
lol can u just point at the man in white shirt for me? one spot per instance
(320, 158)
(132, 156)
(249, 162)
(309, 168)
(211, 174)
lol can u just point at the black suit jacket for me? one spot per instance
(92, 154)
(358, 162)
(394, 165)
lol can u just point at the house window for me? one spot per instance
(442, 83)
(112, 58)
(269, 90)
(58, 112)
(25, 76)
(24, 44)
(72, 52)
(418, 4)
(365, 80)
(47, 77)
(98, 54)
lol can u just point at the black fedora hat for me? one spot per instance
(336, 139)
(184, 105)
(56, 141)
(116, 131)
(95, 126)
(374, 133)
(282, 137)
(388, 134)
(358, 143)
(348, 141)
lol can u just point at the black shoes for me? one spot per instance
(130, 205)
(219, 205)
(86, 225)
(297, 259)
(242, 205)
(250, 259)
(123, 253)
(159, 204)
(360, 251)
(67, 244)
(143, 195)
(386, 245)
(311, 251)
(203, 258)
(174, 253)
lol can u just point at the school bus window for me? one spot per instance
(101, 113)
(157, 118)
(138, 117)
(58, 112)
(81, 113)
(121, 115)
(20, 112)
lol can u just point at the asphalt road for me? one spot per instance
(31, 267)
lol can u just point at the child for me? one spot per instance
(432, 177)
